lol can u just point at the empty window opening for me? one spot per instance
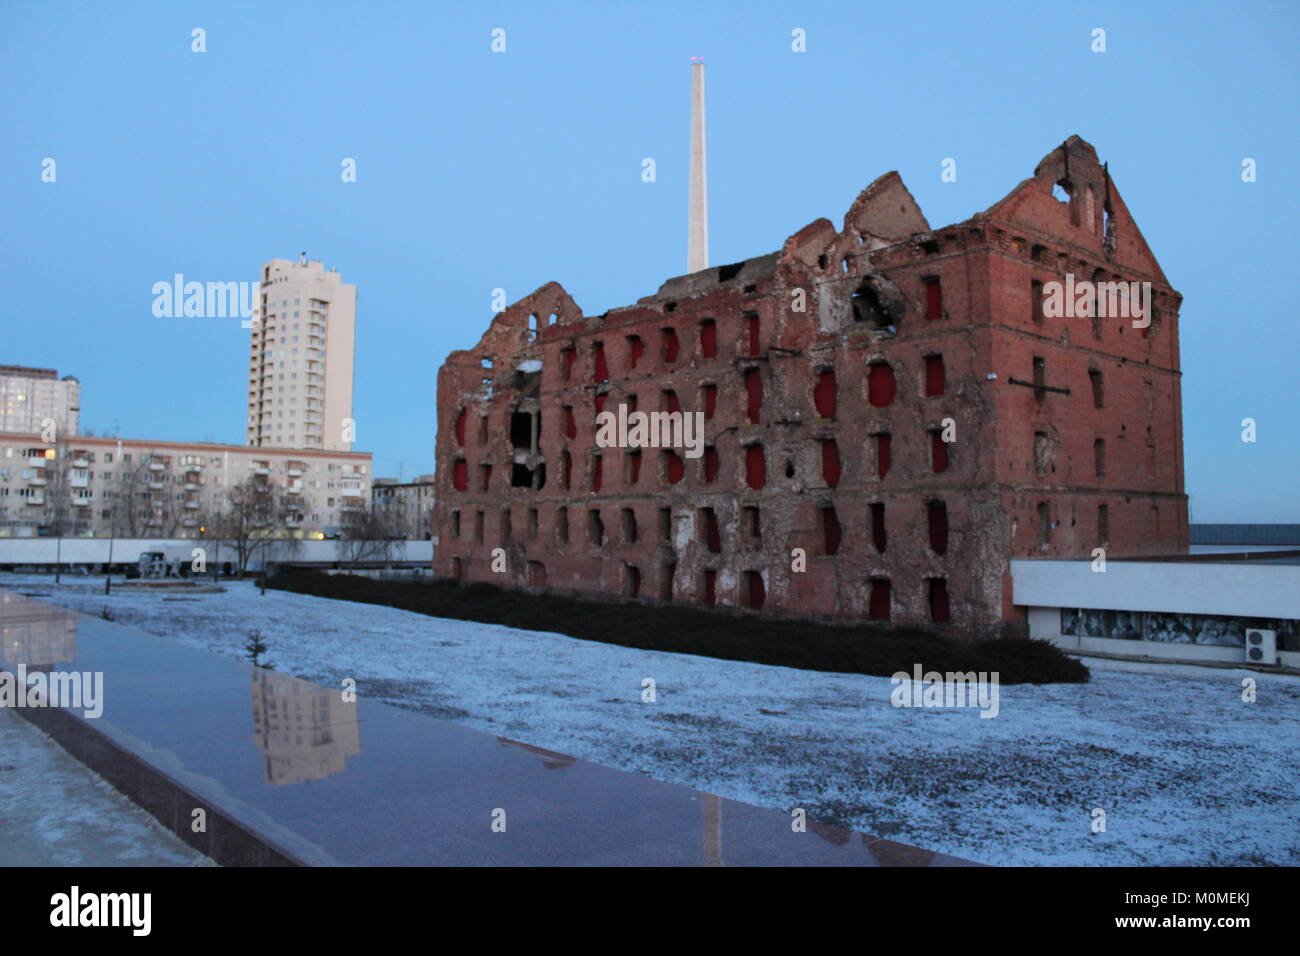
(831, 463)
(600, 401)
(938, 452)
(1038, 253)
(635, 349)
(755, 593)
(665, 524)
(455, 523)
(937, 520)
(567, 358)
(883, 453)
(831, 531)
(670, 306)
(1155, 521)
(880, 384)
(482, 429)
(789, 467)
(566, 470)
(1040, 377)
(755, 467)
(562, 524)
(460, 475)
(727, 273)
(570, 423)
(710, 463)
(879, 534)
(938, 600)
(485, 477)
(536, 574)
(709, 530)
(878, 606)
(600, 366)
(670, 346)
(674, 467)
(533, 523)
(595, 527)
(934, 376)
(632, 467)
(534, 326)
(460, 427)
(1099, 457)
(1061, 191)
(826, 394)
(867, 307)
(1036, 295)
(521, 476)
(521, 430)
(751, 522)
(597, 469)
(751, 332)
(507, 526)
(666, 574)
(668, 401)
(457, 569)
(1044, 525)
(710, 400)
(478, 527)
(709, 588)
(1098, 388)
(631, 581)
(754, 393)
(708, 338)
(933, 298)
(628, 517)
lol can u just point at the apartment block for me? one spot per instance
(31, 397)
(300, 359)
(408, 505)
(892, 412)
(97, 487)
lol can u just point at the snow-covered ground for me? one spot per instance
(1186, 772)
(56, 812)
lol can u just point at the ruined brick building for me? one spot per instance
(827, 373)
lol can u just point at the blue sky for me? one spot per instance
(479, 170)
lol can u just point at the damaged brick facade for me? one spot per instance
(827, 373)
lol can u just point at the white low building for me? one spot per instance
(1200, 607)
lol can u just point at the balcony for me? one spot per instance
(36, 500)
(262, 469)
(191, 505)
(157, 485)
(79, 482)
(38, 481)
(157, 466)
(191, 486)
(190, 521)
(80, 502)
(37, 461)
(80, 461)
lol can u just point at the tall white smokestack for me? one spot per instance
(697, 250)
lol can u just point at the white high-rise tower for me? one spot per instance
(697, 253)
(300, 363)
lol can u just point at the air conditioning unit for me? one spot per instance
(1261, 646)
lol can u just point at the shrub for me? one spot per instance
(809, 645)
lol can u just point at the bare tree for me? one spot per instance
(366, 534)
(253, 517)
